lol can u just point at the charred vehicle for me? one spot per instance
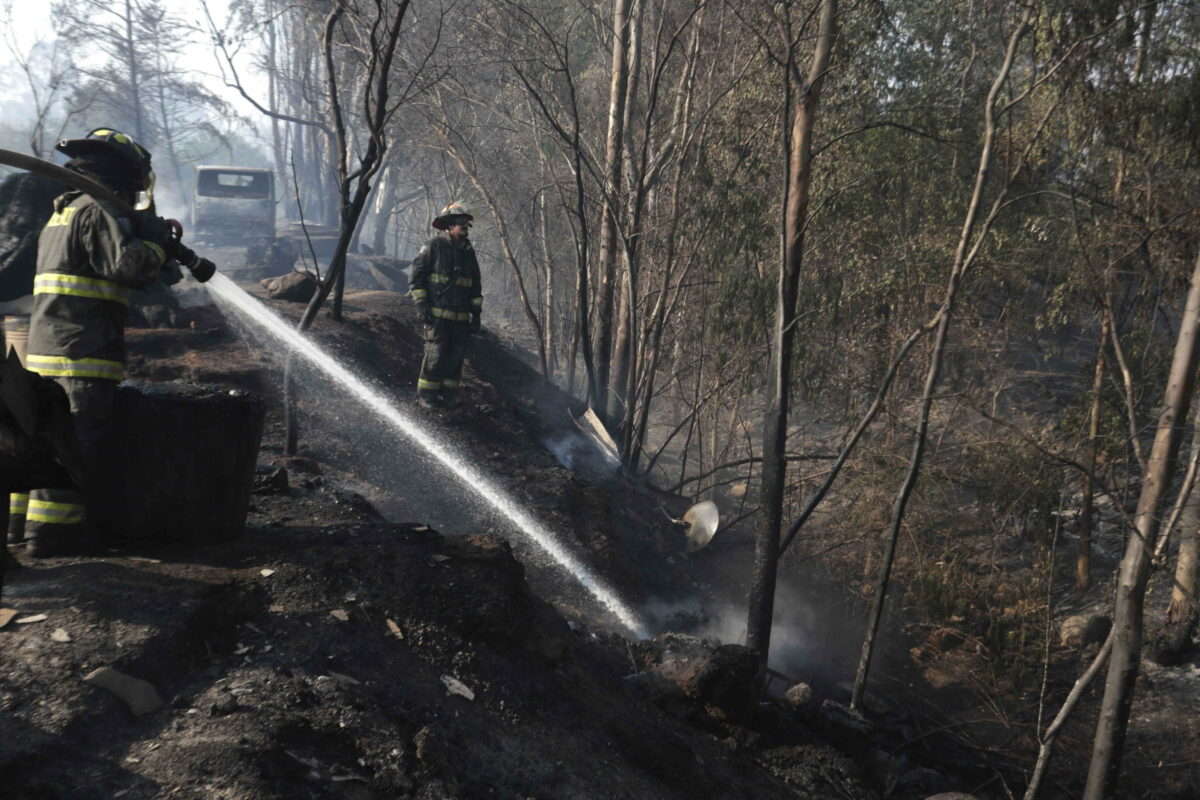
(233, 205)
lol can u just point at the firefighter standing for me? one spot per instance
(90, 256)
(25, 200)
(446, 288)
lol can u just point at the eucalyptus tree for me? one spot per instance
(800, 103)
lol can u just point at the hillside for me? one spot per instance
(376, 634)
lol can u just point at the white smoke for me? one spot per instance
(579, 454)
(801, 640)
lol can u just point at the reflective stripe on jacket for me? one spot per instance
(79, 286)
(63, 367)
(87, 263)
(447, 277)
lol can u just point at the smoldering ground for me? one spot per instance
(811, 638)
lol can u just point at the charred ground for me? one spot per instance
(328, 652)
(316, 655)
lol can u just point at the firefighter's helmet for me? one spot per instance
(450, 213)
(113, 143)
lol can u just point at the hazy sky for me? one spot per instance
(30, 22)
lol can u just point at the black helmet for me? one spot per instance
(112, 143)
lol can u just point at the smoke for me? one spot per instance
(172, 201)
(580, 455)
(808, 636)
(190, 293)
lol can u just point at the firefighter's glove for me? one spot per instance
(170, 274)
(476, 323)
(153, 229)
(426, 311)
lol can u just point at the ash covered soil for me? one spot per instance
(337, 651)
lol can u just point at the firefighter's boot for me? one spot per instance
(18, 505)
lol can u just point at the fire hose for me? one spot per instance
(201, 268)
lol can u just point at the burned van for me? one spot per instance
(233, 205)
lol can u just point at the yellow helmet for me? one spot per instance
(444, 220)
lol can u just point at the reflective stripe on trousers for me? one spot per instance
(63, 514)
(445, 350)
(56, 506)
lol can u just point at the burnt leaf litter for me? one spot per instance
(330, 652)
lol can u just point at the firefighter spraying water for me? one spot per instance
(95, 249)
(98, 246)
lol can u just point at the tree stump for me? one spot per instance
(189, 458)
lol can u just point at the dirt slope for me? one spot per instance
(332, 653)
(293, 684)
(506, 419)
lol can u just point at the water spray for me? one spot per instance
(233, 295)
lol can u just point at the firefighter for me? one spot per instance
(90, 256)
(24, 209)
(446, 288)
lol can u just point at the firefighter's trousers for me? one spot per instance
(68, 521)
(18, 504)
(445, 350)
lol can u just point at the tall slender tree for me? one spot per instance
(1128, 612)
(801, 94)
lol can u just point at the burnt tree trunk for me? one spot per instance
(796, 193)
(353, 188)
(626, 303)
(609, 210)
(133, 75)
(1181, 613)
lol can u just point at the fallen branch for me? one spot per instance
(1047, 740)
(741, 462)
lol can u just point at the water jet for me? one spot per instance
(233, 297)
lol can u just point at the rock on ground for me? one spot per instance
(725, 676)
(297, 287)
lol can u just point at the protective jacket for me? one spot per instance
(447, 277)
(88, 260)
